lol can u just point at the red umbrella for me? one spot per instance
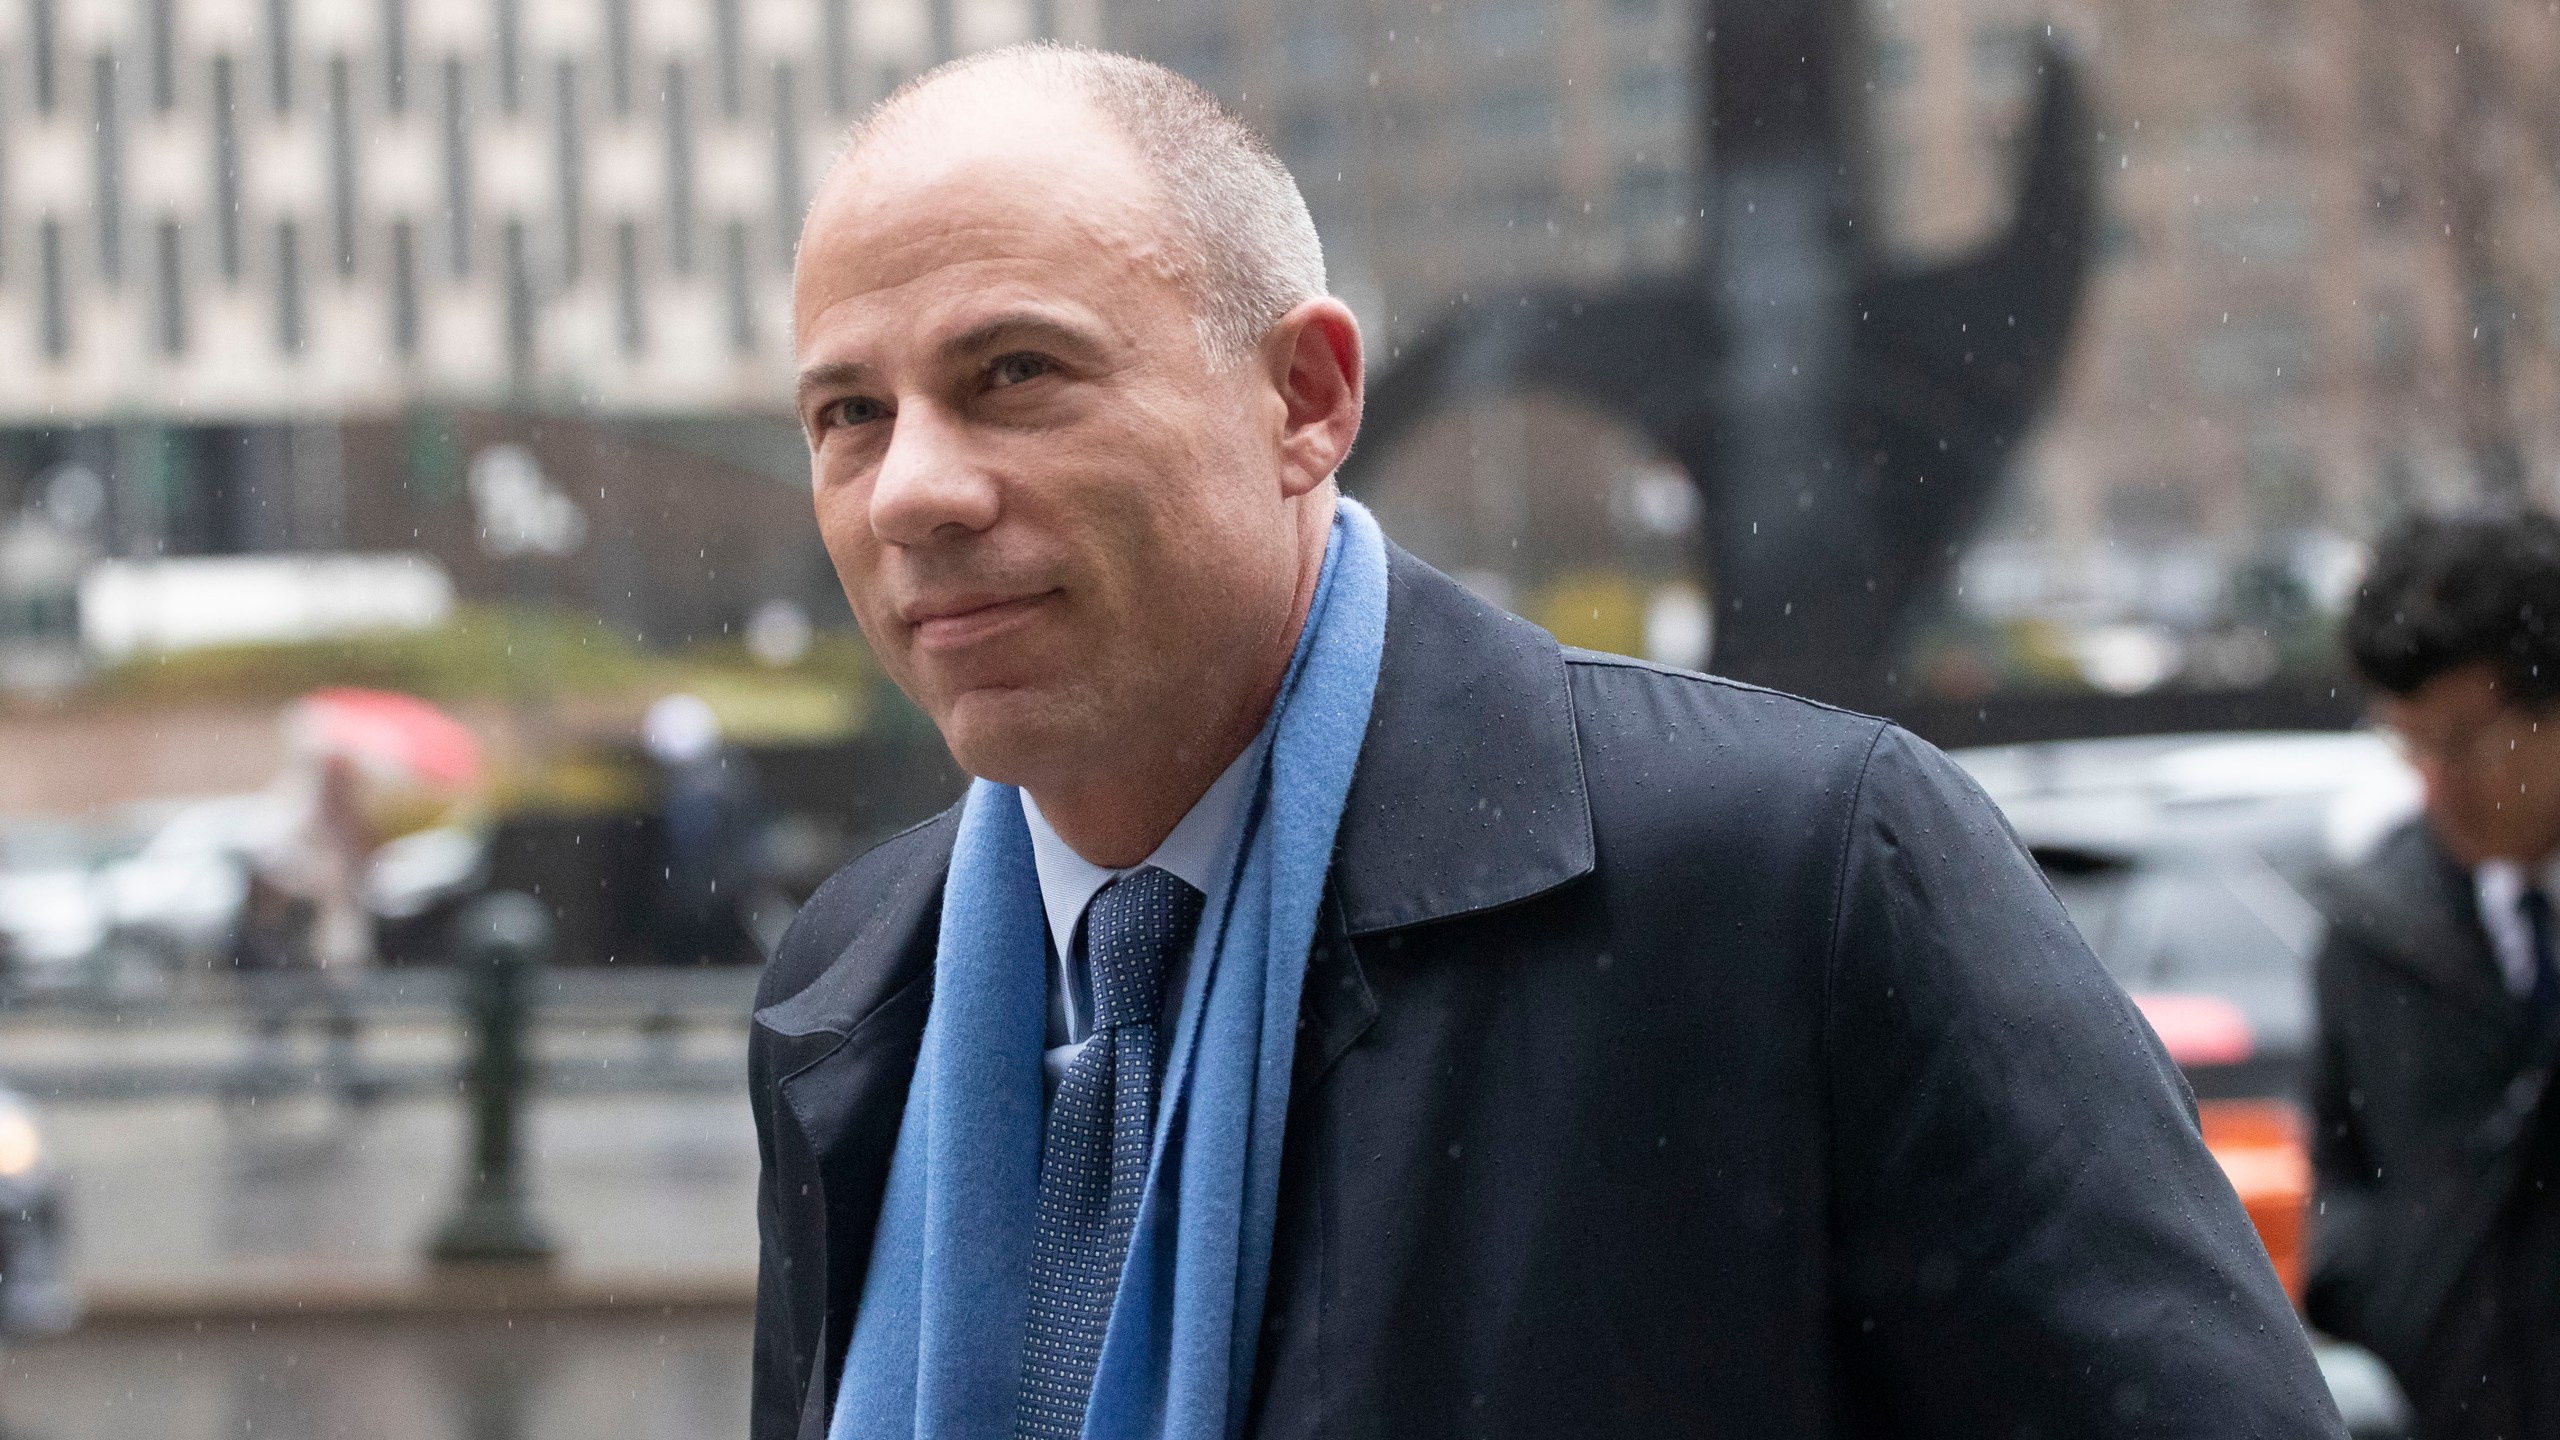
(383, 728)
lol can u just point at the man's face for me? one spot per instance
(2491, 769)
(1064, 532)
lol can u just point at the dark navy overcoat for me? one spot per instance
(1677, 1059)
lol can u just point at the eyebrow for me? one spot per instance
(1018, 324)
(985, 335)
(829, 374)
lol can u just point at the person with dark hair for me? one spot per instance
(2436, 1222)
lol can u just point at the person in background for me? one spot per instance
(713, 846)
(2436, 1216)
(306, 937)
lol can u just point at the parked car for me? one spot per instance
(178, 895)
(2187, 862)
(52, 915)
(35, 1296)
(119, 904)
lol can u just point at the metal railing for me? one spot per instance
(385, 1034)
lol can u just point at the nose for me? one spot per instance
(929, 487)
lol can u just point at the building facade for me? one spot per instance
(242, 210)
(2322, 295)
(230, 228)
(229, 210)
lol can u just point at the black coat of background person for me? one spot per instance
(1677, 1058)
(2431, 1245)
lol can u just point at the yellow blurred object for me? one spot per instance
(2264, 1150)
(20, 1146)
(392, 811)
(574, 784)
(2041, 649)
(769, 707)
(1595, 609)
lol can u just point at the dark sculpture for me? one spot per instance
(1846, 425)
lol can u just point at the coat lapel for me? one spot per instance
(1469, 794)
(1336, 1004)
(2417, 907)
(844, 1052)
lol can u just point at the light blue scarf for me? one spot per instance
(937, 1350)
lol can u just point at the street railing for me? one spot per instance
(384, 1034)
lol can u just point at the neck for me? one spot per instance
(1119, 821)
(1117, 816)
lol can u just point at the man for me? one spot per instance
(711, 847)
(2435, 1235)
(1336, 1010)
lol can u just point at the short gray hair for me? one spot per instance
(1243, 239)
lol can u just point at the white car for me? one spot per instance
(2187, 861)
(52, 913)
(120, 902)
(182, 891)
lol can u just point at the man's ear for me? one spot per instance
(1314, 361)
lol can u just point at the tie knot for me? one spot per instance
(1136, 926)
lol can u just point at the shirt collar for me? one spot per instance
(1198, 851)
(2502, 882)
(2501, 885)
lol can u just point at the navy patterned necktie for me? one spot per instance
(1093, 1154)
(2544, 999)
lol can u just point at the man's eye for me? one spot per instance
(860, 410)
(1014, 369)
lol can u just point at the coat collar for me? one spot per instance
(1469, 795)
(2416, 907)
(891, 942)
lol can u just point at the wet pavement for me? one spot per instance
(252, 1256)
(199, 1196)
(201, 1156)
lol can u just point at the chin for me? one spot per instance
(1012, 736)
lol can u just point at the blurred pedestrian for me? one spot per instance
(713, 842)
(2436, 1227)
(1338, 1009)
(306, 937)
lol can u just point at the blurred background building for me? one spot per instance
(227, 213)
(2322, 291)
(2322, 298)
(270, 272)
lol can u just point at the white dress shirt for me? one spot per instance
(1201, 851)
(2500, 885)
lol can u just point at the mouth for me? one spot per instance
(953, 624)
